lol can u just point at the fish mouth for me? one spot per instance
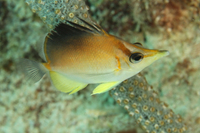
(162, 53)
(157, 53)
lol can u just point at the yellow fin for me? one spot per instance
(105, 87)
(78, 88)
(64, 84)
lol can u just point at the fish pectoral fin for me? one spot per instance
(105, 87)
(64, 84)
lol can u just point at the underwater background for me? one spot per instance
(173, 25)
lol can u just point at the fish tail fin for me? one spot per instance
(32, 70)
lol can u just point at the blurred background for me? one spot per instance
(172, 25)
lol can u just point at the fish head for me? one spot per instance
(140, 57)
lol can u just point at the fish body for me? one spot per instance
(88, 58)
(77, 56)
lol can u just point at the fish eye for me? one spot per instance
(136, 57)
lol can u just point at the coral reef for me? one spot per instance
(60, 11)
(124, 17)
(160, 24)
(143, 103)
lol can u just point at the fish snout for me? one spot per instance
(162, 53)
(156, 54)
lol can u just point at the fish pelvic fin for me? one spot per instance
(64, 84)
(32, 70)
(105, 87)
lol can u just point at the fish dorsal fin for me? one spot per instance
(105, 87)
(64, 32)
(88, 27)
(73, 29)
(65, 35)
(64, 84)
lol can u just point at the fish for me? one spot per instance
(76, 56)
